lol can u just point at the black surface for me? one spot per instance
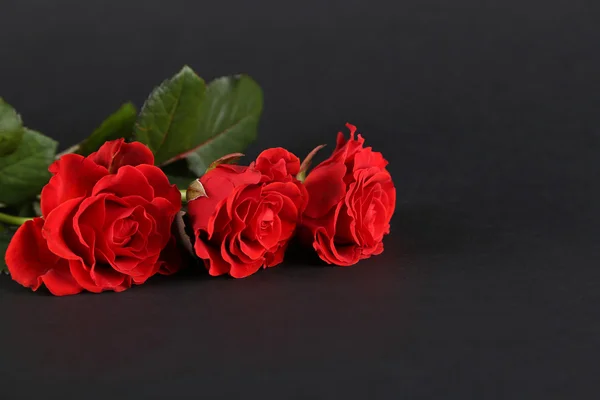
(489, 286)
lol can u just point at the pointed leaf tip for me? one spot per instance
(230, 117)
(24, 172)
(118, 125)
(170, 118)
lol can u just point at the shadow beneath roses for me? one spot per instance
(299, 255)
(416, 230)
(7, 285)
(191, 271)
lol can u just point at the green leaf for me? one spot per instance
(11, 129)
(24, 172)
(182, 182)
(179, 174)
(169, 120)
(118, 125)
(26, 209)
(230, 116)
(6, 235)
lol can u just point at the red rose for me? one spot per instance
(351, 201)
(277, 164)
(248, 215)
(106, 219)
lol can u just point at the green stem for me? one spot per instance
(12, 219)
(183, 196)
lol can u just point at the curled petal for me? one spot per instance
(74, 176)
(218, 184)
(325, 187)
(28, 257)
(160, 183)
(58, 230)
(275, 257)
(128, 181)
(212, 258)
(277, 164)
(115, 154)
(59, 280)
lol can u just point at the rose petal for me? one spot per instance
(58, 231)
(326, 188)
(74, 176)
(28, 257)
(126, 182)
(160, 183)
(115, 154)
(252, 249)
(346, 149)
(277, 164)
(59, 280)
(219, 183)
(82, 275)
(332, 254)
(212, 258)
(275, 257)
(142, 270)
(367, 158)
(106, 278)
(241, 270)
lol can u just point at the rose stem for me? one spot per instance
(183, 196)
(13, 220)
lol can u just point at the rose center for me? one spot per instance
(123, 231)
(267, 220)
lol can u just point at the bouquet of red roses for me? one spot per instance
(146, 190)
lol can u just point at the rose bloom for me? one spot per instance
(248, 214)
(106, 218)
(351, 201)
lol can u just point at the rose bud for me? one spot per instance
(243, 217)
(351, 201)
(106, 218)
(279, 165)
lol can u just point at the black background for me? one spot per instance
(489, 286)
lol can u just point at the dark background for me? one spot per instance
(490, 283)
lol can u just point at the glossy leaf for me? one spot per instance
(230, 116)
(118, 125)
(24, 172)
(11, 129)
(182, 182)
(169, 120)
